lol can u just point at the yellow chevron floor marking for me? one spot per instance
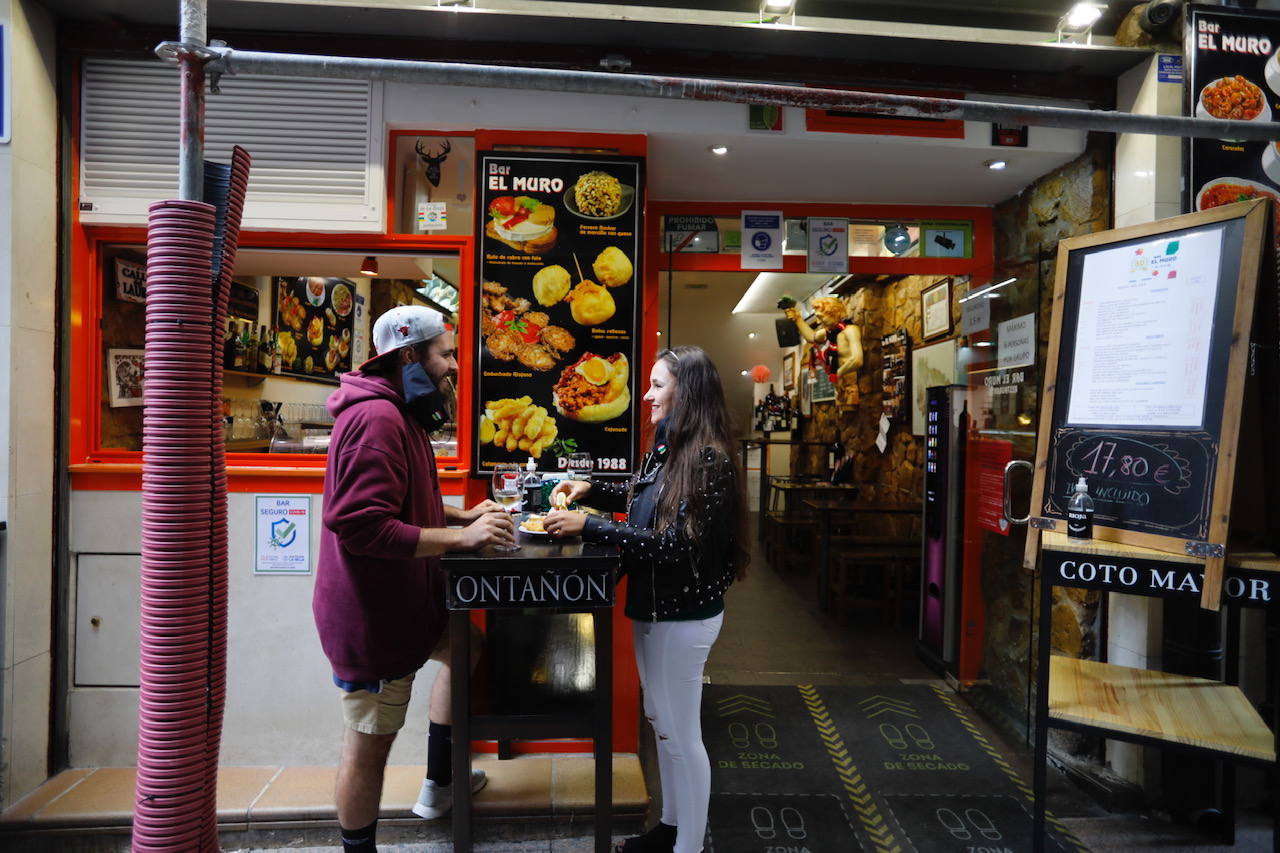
(1005, 766)
(868, 813)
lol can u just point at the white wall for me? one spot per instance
(282, 707)
(28, 198)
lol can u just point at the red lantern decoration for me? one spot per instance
(761, 373)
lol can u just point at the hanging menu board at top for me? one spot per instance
(1141, 358)
(557, 310)
(1234, 73)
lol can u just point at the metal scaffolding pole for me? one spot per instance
(191, 58)
(229, 61)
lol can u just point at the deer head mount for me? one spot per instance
(433, 161)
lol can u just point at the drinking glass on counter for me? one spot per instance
(506, 491)
(579, 466)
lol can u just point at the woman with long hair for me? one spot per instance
(683, 544)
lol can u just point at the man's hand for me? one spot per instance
(573, 491)
(466, 516)
(491, 527)
(562, 522)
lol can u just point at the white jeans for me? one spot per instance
(671, 657)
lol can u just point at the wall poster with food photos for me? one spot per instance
(559, 258)
(1234, 73)
(315, 321)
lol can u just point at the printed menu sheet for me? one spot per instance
(1145, 320)
(557, 310)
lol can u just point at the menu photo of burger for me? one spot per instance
(522, 222)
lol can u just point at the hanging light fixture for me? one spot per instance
(369, 266)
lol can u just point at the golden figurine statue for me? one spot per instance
(835, 346)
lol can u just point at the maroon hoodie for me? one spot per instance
(379, 610)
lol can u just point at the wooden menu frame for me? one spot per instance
(1189, 469)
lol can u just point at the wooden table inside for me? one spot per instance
(826, 509)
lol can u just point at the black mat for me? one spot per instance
(865, 768)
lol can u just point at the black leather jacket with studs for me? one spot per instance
(671, 571)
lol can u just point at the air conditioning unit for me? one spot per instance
(317, 146)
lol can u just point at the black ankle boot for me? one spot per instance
(660, 839)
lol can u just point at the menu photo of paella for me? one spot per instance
(315, 322)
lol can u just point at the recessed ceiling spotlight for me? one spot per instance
(744, 373)
(719, 149)
(751, 336)
(996, 165)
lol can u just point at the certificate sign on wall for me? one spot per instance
(828, 247)
(1140, 352)
(282, 544)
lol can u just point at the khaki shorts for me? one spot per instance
(383, 713)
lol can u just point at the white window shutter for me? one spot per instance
(316, 145)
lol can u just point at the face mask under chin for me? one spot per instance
(426, 403)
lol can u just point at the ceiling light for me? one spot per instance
(719, 149)
(771, 11)
(996, 165)
(1078, 23)
(369, 266)
(745, 373)
(751, 336)
(897, 239)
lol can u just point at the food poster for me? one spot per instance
(315, 320)
(558, 312)
(1234, 74)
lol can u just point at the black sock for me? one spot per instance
(440, 753)
(359, 840)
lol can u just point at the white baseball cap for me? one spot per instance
(403, 326)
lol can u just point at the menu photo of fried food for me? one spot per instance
(590, 304)
(594, 388)
(1234, 98)
(522, 222)
(612, 267)
(599, 195)
(512, 332)
(315, 323)
(516, 425)
(551, 285)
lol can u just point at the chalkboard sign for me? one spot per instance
(1146, 372)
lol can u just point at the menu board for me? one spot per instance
(1234, 73)
(559, 261)
(314, 318)
(1146, 372)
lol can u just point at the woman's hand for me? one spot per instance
(573, 491)
(562, 522)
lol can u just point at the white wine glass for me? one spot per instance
(506, 491)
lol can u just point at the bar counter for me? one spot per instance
(565, 575)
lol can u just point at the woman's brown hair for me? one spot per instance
(699, 418)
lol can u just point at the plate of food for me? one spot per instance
(341, 299)
(1235, 98)
(315, 290)
(1222, 191)
(599, 195)
(533, 526)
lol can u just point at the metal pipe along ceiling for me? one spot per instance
(229, 61)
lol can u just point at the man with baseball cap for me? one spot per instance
(379, 594)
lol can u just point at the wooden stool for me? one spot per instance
(869, 578)
(789, 540)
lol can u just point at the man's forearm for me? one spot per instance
(437, 540)
(454, 514)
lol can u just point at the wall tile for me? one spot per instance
(29, 570)
(28, 742)
(31, 411)
(106, 522)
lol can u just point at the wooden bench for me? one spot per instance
(790, 540)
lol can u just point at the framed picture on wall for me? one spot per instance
(935, 310)
(931, 365)
(789, 372)
(124, 377)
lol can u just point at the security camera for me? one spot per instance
(1159, 16)
(615, 62)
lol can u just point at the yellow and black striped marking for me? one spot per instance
(864, 805)
(948, 699)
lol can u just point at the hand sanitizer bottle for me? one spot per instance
(1080, 513)
(531, 486)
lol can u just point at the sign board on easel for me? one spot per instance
(1146, 372)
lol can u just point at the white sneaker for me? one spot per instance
(435, 801)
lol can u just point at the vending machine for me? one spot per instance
(946, 426)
